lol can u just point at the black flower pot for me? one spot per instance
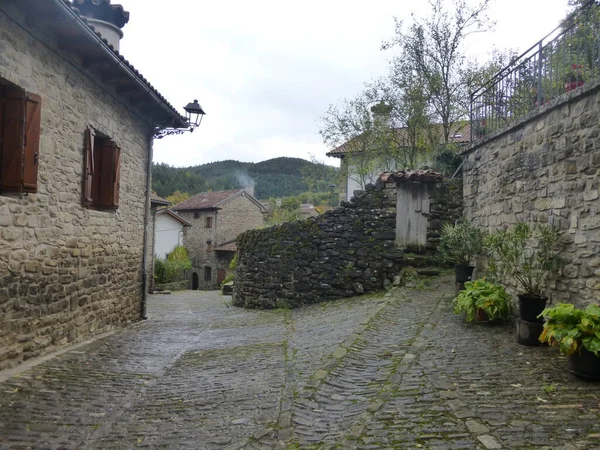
(530, 307)
(585, 365)
(463, 273)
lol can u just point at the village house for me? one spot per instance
(169, 232)
(217, 218)
(77, 122)
(359, 172)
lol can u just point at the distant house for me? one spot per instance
(217, 218)
(77, 122)
(169, 232)
(307, 210)
(352, 181)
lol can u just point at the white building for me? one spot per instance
(168, 232)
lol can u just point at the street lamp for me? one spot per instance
(193, 114)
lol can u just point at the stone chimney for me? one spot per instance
(382, 113)
(105, 18)
(250, 190)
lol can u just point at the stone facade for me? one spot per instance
(545, 168)
(233, 216)
(67, 271)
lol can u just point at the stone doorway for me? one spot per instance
(195, 281)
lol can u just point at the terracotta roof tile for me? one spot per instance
(158, 200)
(227, 247)
(411, 175)
(206, 200)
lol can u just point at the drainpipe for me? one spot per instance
(143, 314)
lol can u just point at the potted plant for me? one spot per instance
(576, 332)
(574, 77)
(459, 245)
(528, 256)
(483, 301)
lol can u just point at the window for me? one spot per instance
(209, 246)
(208, 222)
(102, 172)
(20, 116)
(196, 214)
(207, 273)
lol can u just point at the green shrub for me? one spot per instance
(483, 295)
(570, 329)
(460, 243)
(173, 268)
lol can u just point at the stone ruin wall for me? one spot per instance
(342, 253)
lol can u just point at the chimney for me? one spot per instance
(382, 113)
(250, 190)
(105, 18)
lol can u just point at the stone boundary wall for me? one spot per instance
(175, 286)
(344, 252)
(545, 168)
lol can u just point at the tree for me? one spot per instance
(178, 197)
(351, 125)
(434, 48)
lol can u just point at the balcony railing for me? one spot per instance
(565, 59)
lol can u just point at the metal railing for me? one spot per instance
(563, 60)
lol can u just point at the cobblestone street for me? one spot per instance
(377, 372)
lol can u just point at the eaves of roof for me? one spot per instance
(174, 216)
(76, 35)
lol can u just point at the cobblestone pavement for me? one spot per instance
(397, 370)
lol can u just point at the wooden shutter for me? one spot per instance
(11, 173)
(110, 168)
(88, 175)
(117, 177)
(33, 107)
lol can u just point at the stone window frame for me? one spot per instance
(196, 214)
(20, 122)
(102, 171)
(207, 273)
(208, 222)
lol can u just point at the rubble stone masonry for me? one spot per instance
(67, 272)
(545, 168)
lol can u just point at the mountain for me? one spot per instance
(278, 177)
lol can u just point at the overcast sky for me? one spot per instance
(265, 71)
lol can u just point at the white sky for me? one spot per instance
(265, 70)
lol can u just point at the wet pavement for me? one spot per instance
(397, 370)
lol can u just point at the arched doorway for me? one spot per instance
(195, 281)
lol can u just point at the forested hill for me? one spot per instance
(278, 177)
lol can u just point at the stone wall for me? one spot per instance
(343, 252)
(67, 272)
(545, 168)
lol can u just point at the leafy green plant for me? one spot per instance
(570, 328)
(528, 256)
(490, 298)
(173, 268)
(460, 243)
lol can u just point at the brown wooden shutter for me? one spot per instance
(11, 173)
(33, 116)
(108, 152)
(117, 176)
(88, 175)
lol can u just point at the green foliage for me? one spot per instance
(528, 255)
(177, 197)
(570, 328)
(460, 243)
(483, 295)
(234, 262)
(276, 177)
(173, 268)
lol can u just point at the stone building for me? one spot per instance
(217, 218)
(77, 122)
